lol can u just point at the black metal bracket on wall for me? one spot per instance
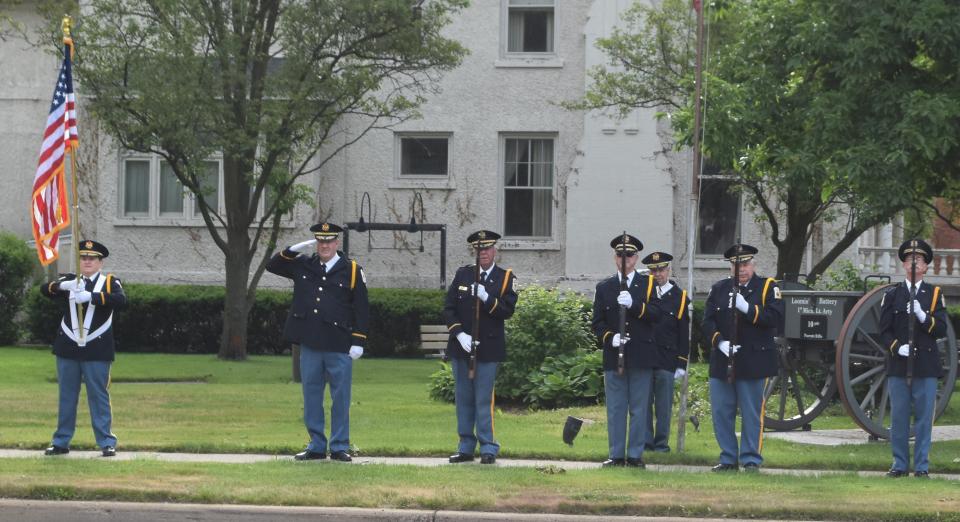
(412, 227)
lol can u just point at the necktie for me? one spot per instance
(483, 276)
(659, 292)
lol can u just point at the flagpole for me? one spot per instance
(692, 224)
(81, 336)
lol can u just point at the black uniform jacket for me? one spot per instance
(109, 298)
(671, 332)
(757, 357)
(458, 312)
(894, 328)
(641, 351)
(330, 311)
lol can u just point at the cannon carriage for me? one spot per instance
(830, 345)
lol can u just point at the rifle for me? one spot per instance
(623, 309)
(911, 320)
(475, 330)
(731, 364)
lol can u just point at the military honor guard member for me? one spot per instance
(741, 324)
(916, 394)
(86, 356)
(497, 299)
(628, 393)
(328, 318)
(671, 337)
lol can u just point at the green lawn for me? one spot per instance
(254, 406)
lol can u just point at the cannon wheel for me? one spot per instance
(861, 366)
(804, 385)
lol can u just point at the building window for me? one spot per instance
(719, 210)
(528, 186)
(530, 26)
(150, 189)
(424, 155)
(136, 188)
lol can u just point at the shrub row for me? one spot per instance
(189, 319)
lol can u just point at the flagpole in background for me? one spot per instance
(70, 145)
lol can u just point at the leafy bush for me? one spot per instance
(567, 380)
(442, 386)
(16, 265)
(189, 319)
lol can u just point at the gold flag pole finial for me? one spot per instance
(65, 26)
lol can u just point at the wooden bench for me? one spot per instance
(433, 340)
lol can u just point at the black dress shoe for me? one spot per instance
(109, 451)
(56, 450)
(636, 463)
(897, 473)
(342, 456)
(309, 455)
(921, 474)
(751, 467)
(719, 468)
(457, 458)
(610, 463)
(488, 458)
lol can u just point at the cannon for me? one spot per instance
(829, 345)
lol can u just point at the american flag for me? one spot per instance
(48, 206)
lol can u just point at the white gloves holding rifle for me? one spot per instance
(481, 292)
(742, 303)
(305, 247)
(617, 340)
(625, 299)
(465, 341)
(918, 311)
(727, 349)
(904, 350)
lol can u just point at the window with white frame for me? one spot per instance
(424, 155)
(719, 211)
(150, 189)
(528, 164)
(530, 26)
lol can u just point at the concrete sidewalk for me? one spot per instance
(855, 436)
(248, 458)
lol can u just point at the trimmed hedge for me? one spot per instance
(17, 263)
(189, 319)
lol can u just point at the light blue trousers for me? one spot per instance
(316, 370)
(660, 409)
(96, 376)
(725, 398)
(627, 393)
(921, 398)
(474, 400)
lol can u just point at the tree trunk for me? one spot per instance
(236, 306)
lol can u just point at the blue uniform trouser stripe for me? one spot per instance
(627, 394)
(725, 399)
(660, 410)
(317, 368)
(473, 399)
(95, 375)
(921, 398)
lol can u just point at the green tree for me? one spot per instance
(823, 110)
(264, 83)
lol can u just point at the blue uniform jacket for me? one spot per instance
(641, 351)
(671, 332)
(458, 312)
(109, 299)
(894, 327)
(758, 356)
(330, 311)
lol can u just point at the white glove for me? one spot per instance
(305, 247)
(904, 350)
(465, 341)
(724, 347)
(679, 373)
(70, 285)
(617, 341)
(481, 292)
(734, 349)
(625, 299)
(356, 352)
(742, 303)
(82, 296)
(918, 311)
